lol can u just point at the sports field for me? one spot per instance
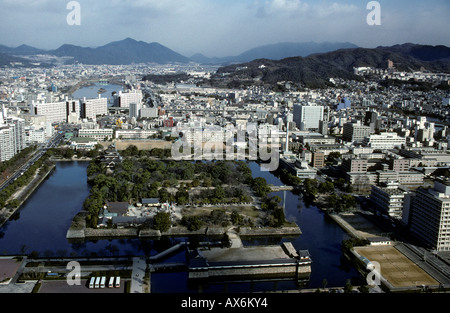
(396, 268)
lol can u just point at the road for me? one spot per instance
(53, 142)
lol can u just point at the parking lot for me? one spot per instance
(62, 287)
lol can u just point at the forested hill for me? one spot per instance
(316, 70)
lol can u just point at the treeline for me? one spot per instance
(333, 202)
(17, 160)
(42, 163)
(275, 216)
(218, 217)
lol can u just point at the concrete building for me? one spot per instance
(57, 112)
(149, 112)
(6, 143)
(299, 168)
(318, 159)
(388, 199)
(123, 99)
(385, 141)
(429, 216)
(91, 108)
(97, 133)
(308, 116)
(355, 132)
(353, 165)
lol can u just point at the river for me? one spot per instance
(91, 92)
(42, 222)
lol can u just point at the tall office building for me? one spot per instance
(429, 215)
(307, 117)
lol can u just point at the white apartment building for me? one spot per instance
(91, 108)
(6, 143)
(123, 100)
(18, 126)
(308, 116)
(57, 112)
(149, 112)
(384, 141)
(430, 215)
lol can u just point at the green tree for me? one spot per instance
(161, 221)
(192, 223)
(236, 218)
(260, 186)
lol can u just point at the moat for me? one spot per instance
(42, 222)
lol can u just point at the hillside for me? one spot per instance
(276, 51)
(316, 70)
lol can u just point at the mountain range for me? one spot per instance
(129, 51)
(276, 51)
(308, 63)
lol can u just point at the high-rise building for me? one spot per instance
(135, 109)
(123, 99)
(307, 117)
(6, 143)
(57, 112)
(429, 215)
(91, 108)
(18, 128)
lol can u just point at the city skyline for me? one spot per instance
(222, 28)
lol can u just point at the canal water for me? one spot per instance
(42, 222)
(91, 92)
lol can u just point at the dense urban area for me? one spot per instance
(373, 150)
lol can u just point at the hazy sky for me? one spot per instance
(222, 27)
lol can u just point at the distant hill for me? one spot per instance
(7, 59)
(421, 52)
(21, 50)
(126, 51)
(276, 51)
(316, 70)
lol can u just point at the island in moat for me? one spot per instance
(145, 193)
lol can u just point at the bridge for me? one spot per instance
(281, 188)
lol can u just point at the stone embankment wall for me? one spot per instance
(78, 233)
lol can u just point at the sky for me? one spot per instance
(218, 28)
